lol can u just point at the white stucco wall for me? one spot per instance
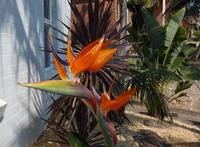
(21, 36)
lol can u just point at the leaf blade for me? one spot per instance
(173, 26)
(75, 140)
(104, 129)
(61, 87)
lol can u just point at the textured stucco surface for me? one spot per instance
(21, 36)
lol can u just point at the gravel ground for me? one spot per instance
(151, 132)
(145, 131)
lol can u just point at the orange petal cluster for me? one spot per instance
(107, 104)
(91, 58)
(119, 101)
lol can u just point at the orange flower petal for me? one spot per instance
(83, 64)
(70, 56)
(124, 98)
(102, 58)
(106, 104)
(117, 103)
(91, 58)
(90, 47)
(61, 71)
(87, 56)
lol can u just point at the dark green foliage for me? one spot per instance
(180, 90)
(75, 140)
(192, 72)
(159, 48)
(183, 86)
(103, 126)
(155, 32)
(144, 3)
(197, 34)
(149, 84)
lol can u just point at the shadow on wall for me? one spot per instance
(21, 37)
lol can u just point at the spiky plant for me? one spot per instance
(84, 31)
(99, 103)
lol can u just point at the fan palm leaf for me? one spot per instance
(149, 84)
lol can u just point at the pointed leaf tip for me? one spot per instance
(68, 88)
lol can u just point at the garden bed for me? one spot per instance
(143, 129)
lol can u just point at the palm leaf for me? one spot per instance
(149, 84)
(182, 86)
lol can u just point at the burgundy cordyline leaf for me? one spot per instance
(84, 32)
(60, 59)
(77, 36)
(80, 21)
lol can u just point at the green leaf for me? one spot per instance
(182, 34)
(75, 140)
(148, 3)
(188, 50)
(68, 88)
(176, 60)
(191, 72)
(173, 27)
(182, 86)
(154, 30)
(180, 54)
(171, 31)
(150, 84)
(178, 96)
(104, 129)
(197, 34)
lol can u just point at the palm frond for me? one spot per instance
(149, 84)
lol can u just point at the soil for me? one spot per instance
(151, 132)
(145, 131)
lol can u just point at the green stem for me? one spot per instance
(73, 114)
(167, 52)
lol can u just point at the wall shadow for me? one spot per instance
(21, 38)
(21, 27)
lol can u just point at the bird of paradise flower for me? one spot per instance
(91, 58)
